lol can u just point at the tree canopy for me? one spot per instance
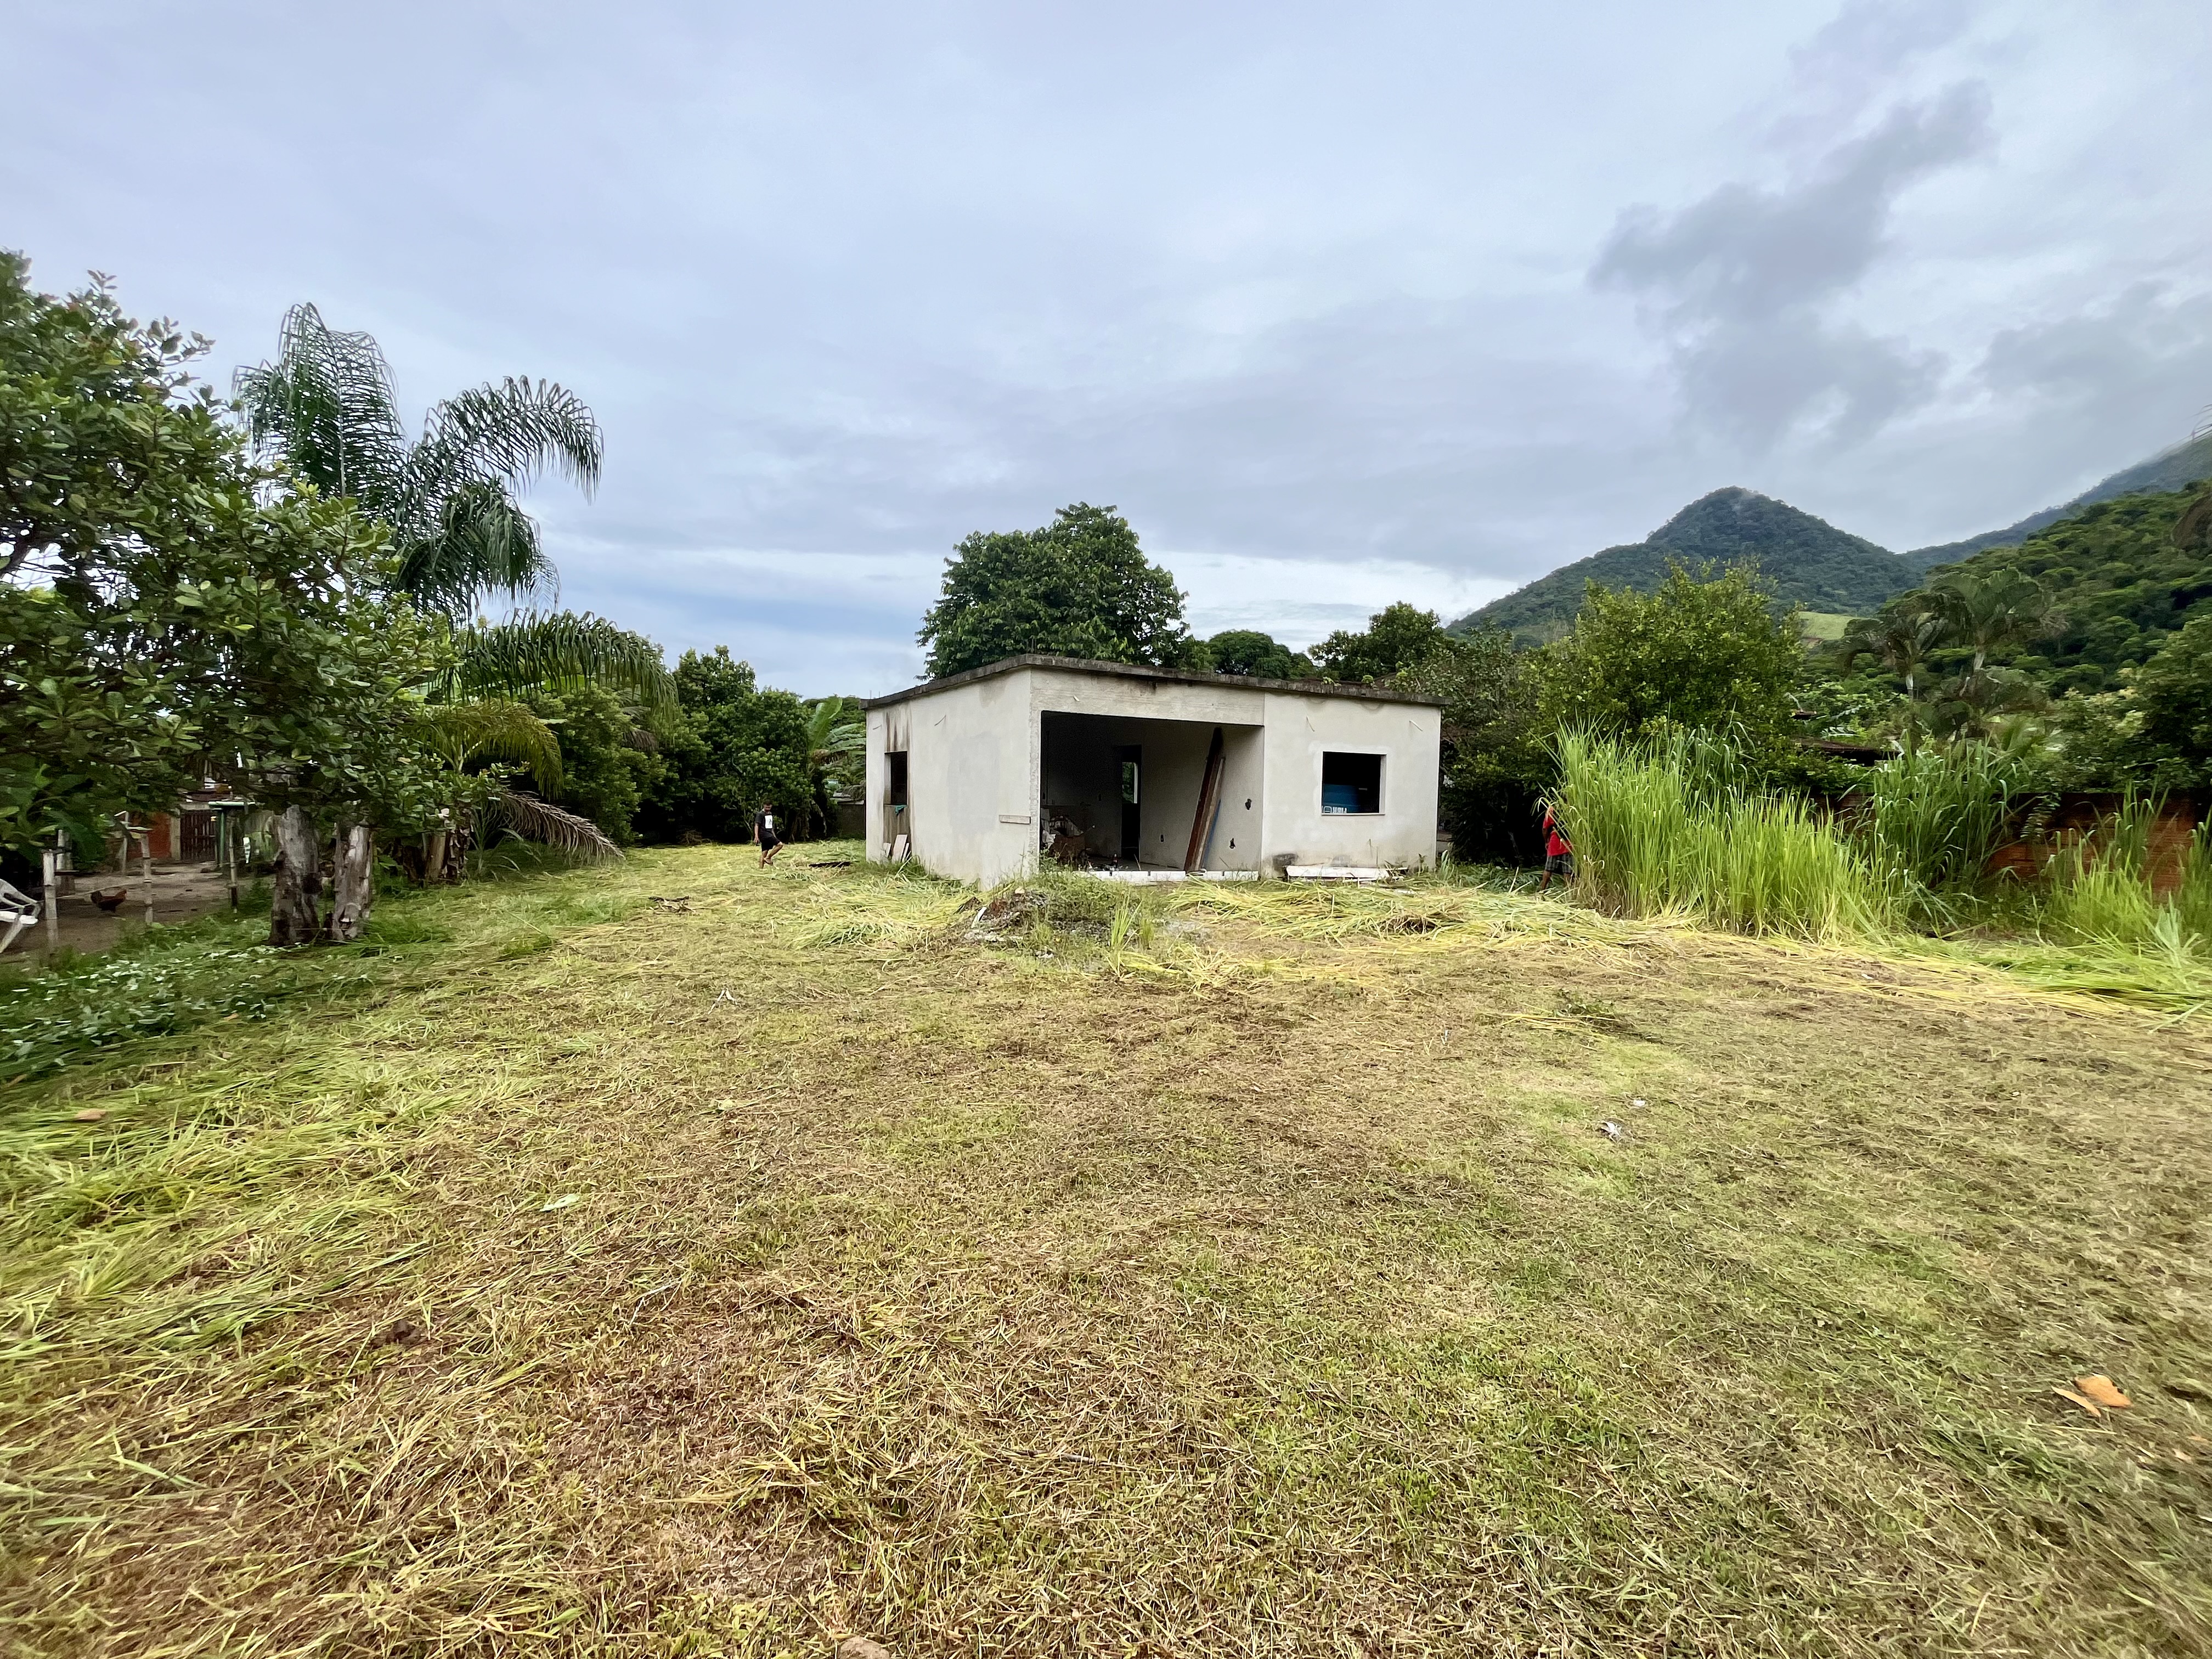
(2174, 690)
(172, 612)
(1394, 639)
(1703, 651)
(734, 748)
(1248, 651)
(1080, 587)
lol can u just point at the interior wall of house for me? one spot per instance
(1081, 775)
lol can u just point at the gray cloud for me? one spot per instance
(1854, 61)
(1305, 292)
(1743, 283)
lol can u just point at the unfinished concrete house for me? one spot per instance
(1145, 773)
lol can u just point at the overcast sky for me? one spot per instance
(1339, 304)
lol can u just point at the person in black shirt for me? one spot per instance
(764, 832)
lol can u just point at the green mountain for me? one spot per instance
(2174, 469)
(1809, 560)
(1811, 563)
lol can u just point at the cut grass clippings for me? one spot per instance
(1226, 1269)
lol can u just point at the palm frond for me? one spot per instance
(825, 716)
(327, 407)
(509, 433)
(495, 729)
(475, 540)
(551, 826)
(556, 652)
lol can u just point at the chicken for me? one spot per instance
(112, 902)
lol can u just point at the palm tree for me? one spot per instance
(837, 744)
(326, 407)
(1901, 638)
(1990, 613)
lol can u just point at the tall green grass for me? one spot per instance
(2102, 891)
(1938, 815)
(1669, 829)
(1680, 825)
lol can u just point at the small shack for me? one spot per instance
(1129, 770)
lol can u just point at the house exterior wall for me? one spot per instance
(1299, 730)
(971, 765)
(975, 784)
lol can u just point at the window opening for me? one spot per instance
(895, 785)
(1350, 784)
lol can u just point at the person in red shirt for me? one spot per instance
(1558, 856)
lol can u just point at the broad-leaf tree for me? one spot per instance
(1704, 651)
(170, 612)
(2174, 690)
(1248, 651)
(734, 748)
(1394, 639)
(1080, 587)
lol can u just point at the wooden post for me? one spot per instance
(1209, 803)
(148, 843)
(50, 861)
(231, 820)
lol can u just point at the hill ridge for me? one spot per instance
(1808, 560)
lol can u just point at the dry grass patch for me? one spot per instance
(1238, 1270)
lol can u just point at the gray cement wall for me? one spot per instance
(977, 783)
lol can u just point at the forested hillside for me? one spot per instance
(1807, 561)
(2121, 588)
(2181, 466)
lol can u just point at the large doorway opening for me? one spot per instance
(1132, 794)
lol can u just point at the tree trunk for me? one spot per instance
(354, 890)
(292, 914)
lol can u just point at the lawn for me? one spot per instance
(691, 1259)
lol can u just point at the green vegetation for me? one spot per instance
(1248, 651)
(647, 1279)
(1684, 824)
(1080, 587)
(2120, 587)
(1658, 831)
(1703, 650)
(1806, 562)
(734, 748)
(2084, 648)
(168, 611)
(1395, 638)
(1825, 627)
(327, 409)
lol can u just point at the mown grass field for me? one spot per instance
(1244, 1275)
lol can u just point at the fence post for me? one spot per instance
(49, 871)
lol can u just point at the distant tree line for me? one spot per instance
(2086, 654)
